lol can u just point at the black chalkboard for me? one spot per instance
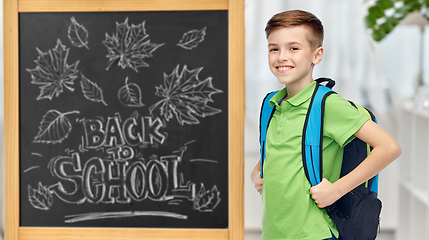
(124, 119)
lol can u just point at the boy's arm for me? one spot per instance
(385, 150)
(256, 177)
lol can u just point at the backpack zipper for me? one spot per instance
(340, 214)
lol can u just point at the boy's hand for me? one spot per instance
(257, 180)
(324, 193)
(256, 177)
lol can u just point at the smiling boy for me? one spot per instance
(292, 209)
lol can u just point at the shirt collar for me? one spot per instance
(296, 100)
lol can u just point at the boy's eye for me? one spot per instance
(294, 48)
(273, 49)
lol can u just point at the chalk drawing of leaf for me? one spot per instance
(40, 198)
(130, 95)
(206, 201)
(185, 96)
(78, 35)
(192, 38)
(54, 127)
(129, 46)
(52, 72)
(91, 91)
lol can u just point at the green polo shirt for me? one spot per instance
(288, 210)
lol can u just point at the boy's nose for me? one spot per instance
(283, 58)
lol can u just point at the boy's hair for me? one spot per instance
(298, 18)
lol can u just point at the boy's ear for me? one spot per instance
(318, 55)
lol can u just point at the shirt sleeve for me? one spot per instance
(341, 120)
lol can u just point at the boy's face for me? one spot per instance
(290, 55)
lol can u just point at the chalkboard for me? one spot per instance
(123, 119)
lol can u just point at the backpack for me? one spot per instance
(356, 214)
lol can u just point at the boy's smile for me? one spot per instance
(291, 57)
(284, 68)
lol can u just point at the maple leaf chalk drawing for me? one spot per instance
(52, 72)
(129, 46)
(54, 127)
(192, 38)
(91, 91)
(130, 95)
(78, 35)
(185, 96)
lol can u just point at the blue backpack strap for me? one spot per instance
(312, 136)
(266, 114)
(374, 184)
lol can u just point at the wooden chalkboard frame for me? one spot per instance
(12, 8)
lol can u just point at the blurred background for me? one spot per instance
(377, 52)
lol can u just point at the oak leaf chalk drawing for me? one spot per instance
(53, 72)
(129, 46)
(40, 198)
(130, 95)
(185, 96)
(206, 201)
(54, 128)
(78, 35)
(91, 91)
(192, 38)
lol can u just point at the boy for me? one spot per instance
(292, 209)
